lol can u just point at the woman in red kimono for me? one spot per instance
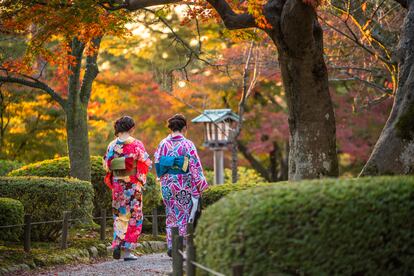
(127, 164)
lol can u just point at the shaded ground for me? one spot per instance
(149, 264)
(84, 249)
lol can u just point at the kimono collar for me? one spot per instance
(176, 138)
(129, 140)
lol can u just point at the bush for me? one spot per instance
(152, 195)
(7, 166)
(45, 198)
(246, 176)
(59, 167)
(216, 192)
(324, 227)
(11, 213)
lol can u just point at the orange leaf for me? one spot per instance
(364, 6)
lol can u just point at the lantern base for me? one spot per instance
(218, 166)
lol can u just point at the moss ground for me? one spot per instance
(46, 254)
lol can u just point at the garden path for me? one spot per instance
(146, 265)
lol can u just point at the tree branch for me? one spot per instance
(192, 52)
(256, 164)
(403, 3)
(134, 5)
(77, 48)
(231, 20)
(91, 71)
(35, 84)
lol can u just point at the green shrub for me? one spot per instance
(7, 166)
(45, 198)
(152, 195)
(11, 213)
(324, 227)
(216, 192)
(246, 176)
(59, 167)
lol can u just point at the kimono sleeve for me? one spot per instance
(143, 162)
(141, 154)
(109, 155)
(198, 180)
(157, 153)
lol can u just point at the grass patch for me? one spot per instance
(47, 254)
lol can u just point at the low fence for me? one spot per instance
(187, 261)
(178, 255)
(27, 226)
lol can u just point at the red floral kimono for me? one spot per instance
(126, 180)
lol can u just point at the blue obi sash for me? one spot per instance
(172, 165)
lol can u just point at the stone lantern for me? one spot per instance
(218, 127)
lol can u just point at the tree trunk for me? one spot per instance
(284, 163)
(394, 150)
(78, 142)
(299, 40)
(234, 162)
(273, 158)
(256, 164)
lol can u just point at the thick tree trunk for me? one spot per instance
(299, 39)
(77, 109)
(78, 142)
(394, 150)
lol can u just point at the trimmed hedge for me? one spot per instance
(59, 167)
(45, 198)
(11, 213)
(359, 226)
(7, 166)
(216, 192)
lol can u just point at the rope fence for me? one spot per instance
(65, 221)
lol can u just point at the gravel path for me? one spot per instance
(150, 264)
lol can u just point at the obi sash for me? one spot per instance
(122, 167)
(172, 165)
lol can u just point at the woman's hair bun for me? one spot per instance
(177, 122)
(123, 124)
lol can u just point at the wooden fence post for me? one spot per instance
(237, 270)
(177, 257)
(103, 224)
(191, 253)
(154, 223)
(65, 227)
(174, 252)
(174, 233)
(27, 230)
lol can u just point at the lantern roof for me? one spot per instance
(215, 116)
